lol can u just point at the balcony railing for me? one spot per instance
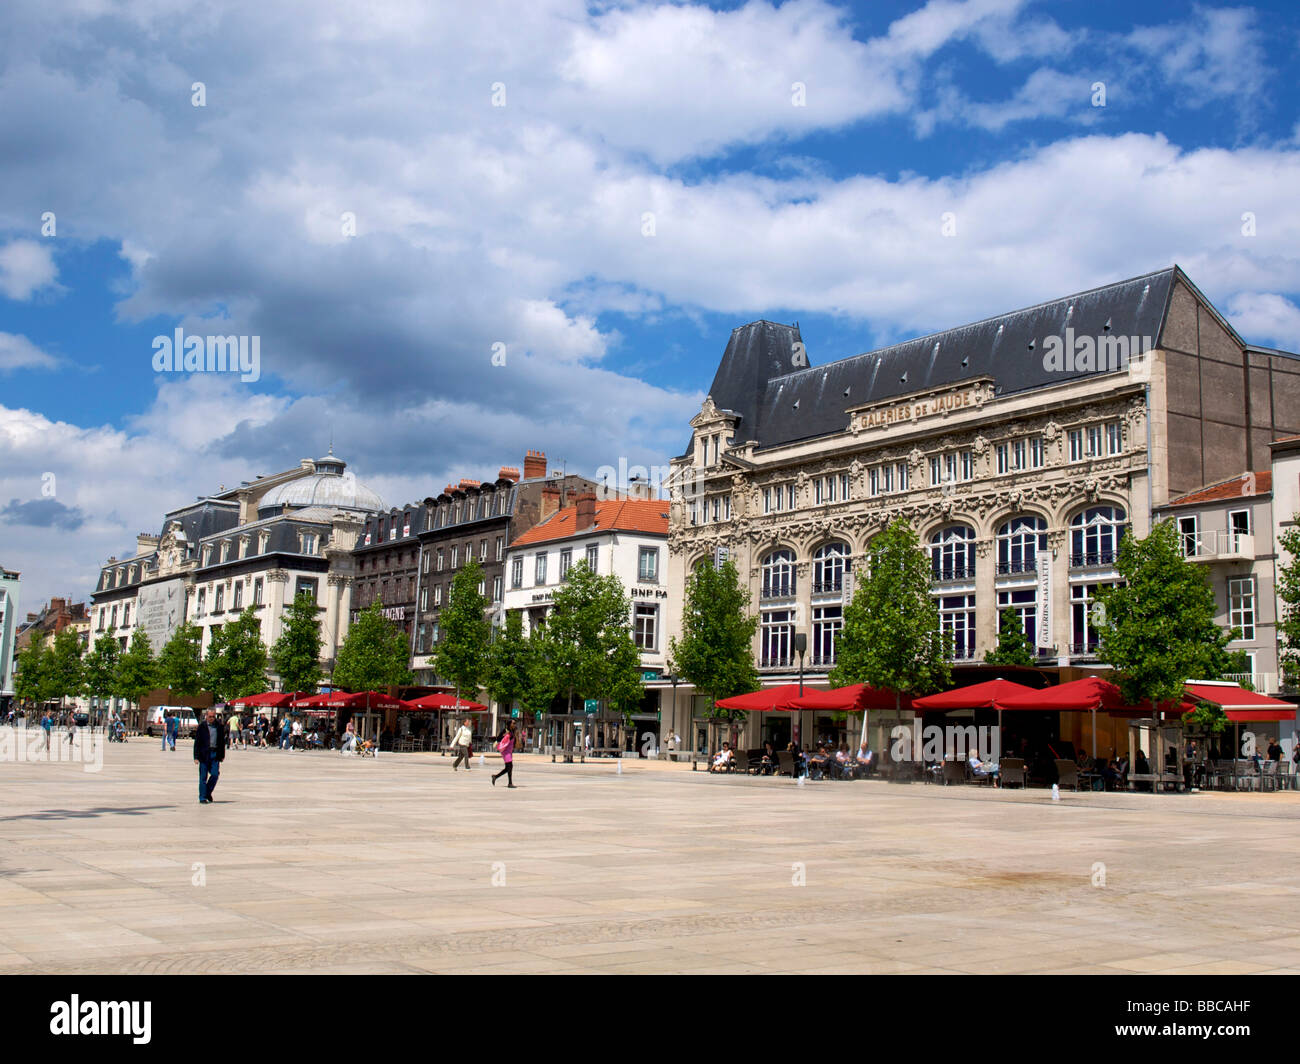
(1085, 650)
(1218, 546)
(1085, 561)
(785, 590)
(1261, 682)
(962, 654)
(1025, 565)
(953, 572)
(828, 587)
(775, 661)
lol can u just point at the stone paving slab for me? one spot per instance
(314, 863)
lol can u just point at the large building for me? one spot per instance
(407, 558)
(259, 545)
(1021, 448)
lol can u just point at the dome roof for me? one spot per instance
(330, 486)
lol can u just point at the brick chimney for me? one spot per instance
(534, 464)
(550, 502)
(509, 473)
(468, 482)
(586, 511)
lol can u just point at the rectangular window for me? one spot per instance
(726, 507)
(437, 595)
(886, 479)
(501, 546)
(901, 471)
(936, 476)
(789, 496)
(428, 561)
(482, 550)
(1114, 440)
(126, 615)
(695, 513)
(1018, 455)
(593, 555)
(257, 592)
(1085, 632)
(566, 562)
(539, 570)
(844, 486)
(113, 621)
(305, 587)
(645, 626)
(1036, 452)
(968, 465)
(516, 572)
(424, 599)
(496, 589)
(440, 559)
(1003, 455)
(1189, 536)
(1241, 605)
(957, 618)
(239, 594)
(717, 509)
(1024, 603)
(219, 606)
(767, 501)
(1094, 441)
(827, 622)
(455, 555)
(648, 565)
(873, 480)
(1076, 445)
(819, 492)
(776, 633)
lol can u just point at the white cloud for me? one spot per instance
(25, 268)
(1267, 319)
(18, 352)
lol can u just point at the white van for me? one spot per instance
(155, 725)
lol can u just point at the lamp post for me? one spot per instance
(674, 679)
(800, 648)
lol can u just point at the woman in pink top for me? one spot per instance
(506, 744)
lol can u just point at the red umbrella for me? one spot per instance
(764, 700)
(445, 701)
(855, 698)
(986, 695)
(364, 700)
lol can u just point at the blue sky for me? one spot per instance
(606, 190)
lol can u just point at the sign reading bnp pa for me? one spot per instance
(160, 609)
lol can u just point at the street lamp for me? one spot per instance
(800, 648)
(674, 679)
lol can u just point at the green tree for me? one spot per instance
(180, 662)
(29, 669)
(540, 682)
(509, 657)
(587, 640)
(236, 662)
(374, 655)
(137, 671)
(1158, 628)
(891, 636)
(462, 653)
(716, 651)
(1013, 646)
(101, 667)
(62, 675)
(1287, 588)
(296, 654)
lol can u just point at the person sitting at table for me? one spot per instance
(981, 769)
(818, 762)
(770, 760)
(1142, 767)
(866, 760)
(1083, 761)
(723, 758)
(800, 762)
(844, 762)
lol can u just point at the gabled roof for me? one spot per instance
(649, 516)
(1242, 486)
(779, 403)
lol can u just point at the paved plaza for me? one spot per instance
(310, 862)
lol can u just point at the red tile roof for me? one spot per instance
(1239, 487)
(616, 515)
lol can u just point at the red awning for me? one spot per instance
(986, 695)
(1237, 703)
(765, 700)
(365, 700)
(445, 701)
(313, 700)
(855, 698)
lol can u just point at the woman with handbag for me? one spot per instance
(506, 744)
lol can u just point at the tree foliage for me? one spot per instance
(716, 651)
(506, 673)
(296, 654)
(1158, 628)
(137, 671)
(461, 655)
(235, 665)
(1287, 588)
(1014, 647)
(180, 662)
(62, 675)
(891, 636)
(374, 655)
(101, 666)
(29, 669)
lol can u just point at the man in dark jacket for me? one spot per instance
(209, 752)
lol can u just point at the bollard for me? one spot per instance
(620, 767)
(800, 781)
(1056, 792)
(481, 762)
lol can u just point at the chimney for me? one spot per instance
(638, 487)
(550, 502)
(466, 483)
(509, 473)
(534, 464)
(586, 511)
(144, 543)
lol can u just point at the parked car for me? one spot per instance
(155, 725)
(81, 719)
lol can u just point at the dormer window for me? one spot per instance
(309, 542)
(225, 549)
(207, 554)
(263, 541)
(243, 546)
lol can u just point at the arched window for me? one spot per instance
(830, 562)
(1095, 534)
(1019, 541)
(952, 553)
(778, 574)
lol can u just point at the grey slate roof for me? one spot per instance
(756, 379)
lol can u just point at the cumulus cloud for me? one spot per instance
(26, 267)
(18, 352)
(1267, 319)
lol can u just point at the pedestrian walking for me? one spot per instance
(506, 744)
(46, 725)
(172, 731)
(209, 752)
(285, 728)
(462, 745)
